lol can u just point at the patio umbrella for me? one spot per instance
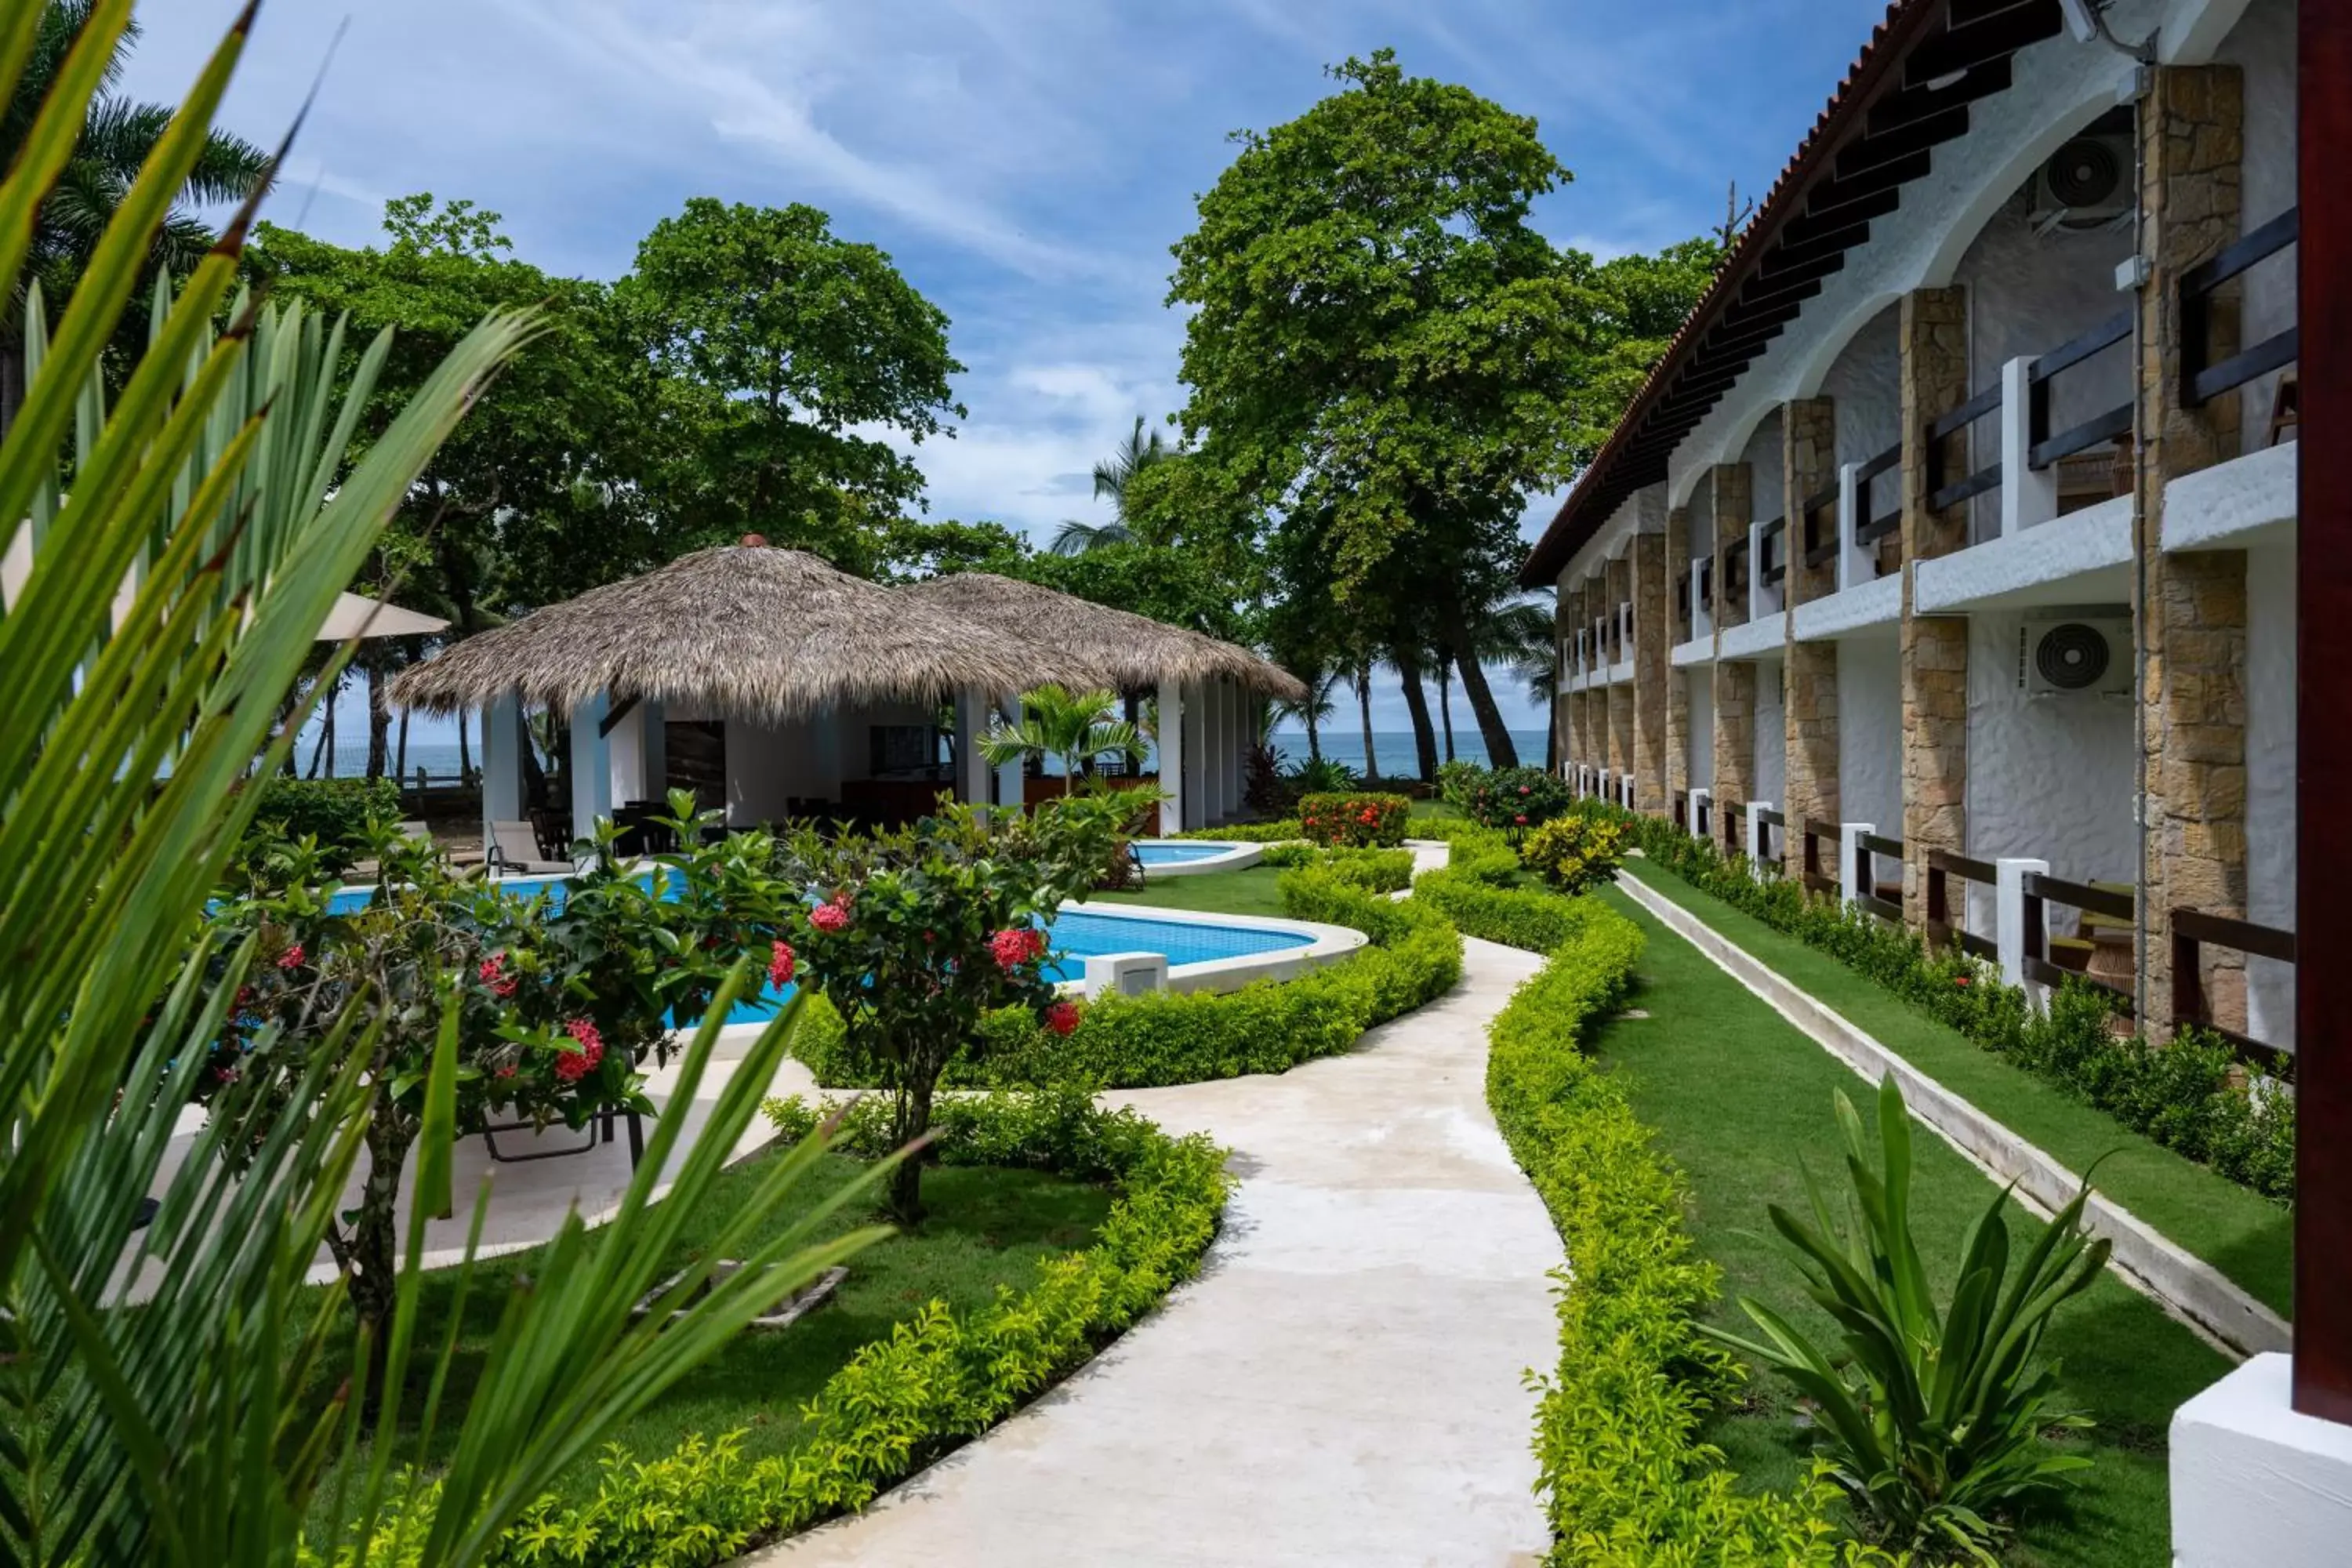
(356, 614)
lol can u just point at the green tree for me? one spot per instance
(117, 136)
(788, 349)
(1072, 727)
(1138, 453)
(1383, 346)
(1164, 583)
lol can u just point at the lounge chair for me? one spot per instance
(513, 852)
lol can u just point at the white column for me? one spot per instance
(2256, 1481)
(2027, 498)
(1171, 759)
(1853, 567)
(1217, 751)
(1695, 811)
(1754, 824)
(591, 768)
(1197, 805)
(635, 762)
(1237, 718)
(1012, 788)
(502, 744)
(1850, 851)
(972, 768)
(2009, 921)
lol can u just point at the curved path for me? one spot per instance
(1343, 1384)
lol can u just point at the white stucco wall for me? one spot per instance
(1701, 682)
(1870, 734)
(767, 764)
(2262, 46)
(2049, 777)
(1862, 381)
(2270, 780)
(1762, 457)
(1768, 769)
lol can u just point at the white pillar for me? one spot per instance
(1850, 851)
(1012, 787)
(1170, 747)
(1217, 754)
(2256, 1481)
(1695, 814)
(1237, 719)
(2009, 921)
(1197, 805)
(2027, 498)
(591, 768)
(1754, 824)
(1854, 568)
(502, 744)
(637, 764)
(972, 768)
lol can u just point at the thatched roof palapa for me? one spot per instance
(1123, 650)
(760, 633)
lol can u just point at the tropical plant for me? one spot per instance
(1355, 820)
(1511, 800)
(1138, 452)
(1314, 709)
(1073, 727)
(163, 1424)
(1574, 852)
(1322, 776)
(1936, 1418)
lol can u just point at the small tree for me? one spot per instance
(913, 933)
(1076, 727)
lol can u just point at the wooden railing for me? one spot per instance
(1772, 851)
(1682, 809)
(1774, 566)
(1705, 825)
(1867, 847)
(1944, 868)
(1868, 528)
(1683, 610)
(1735, 579)
(2041, 890)
(2044, 448)
(1940, 494)
(2198, 379)
(1817, 526)
(1732, 816)
(2192, 930)
(1817, 834)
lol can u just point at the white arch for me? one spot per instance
(1943, 263)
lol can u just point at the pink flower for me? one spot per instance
(1959, 980)
(830, 916)
(1523, 789)
(574, 1066)
(1521, 820)
(292, 957)
(1062, 1018)
(494, 974)
(1015, 946)
(507, 1071)
(781, 961)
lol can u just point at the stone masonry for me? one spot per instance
(1617, 586)
(2189, 609)
(1809, 700)
(1652, 621)
(1933, 377)
(1732, 487)
(1677, 692)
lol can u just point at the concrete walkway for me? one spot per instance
(1342, 1385)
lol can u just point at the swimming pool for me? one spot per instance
(1193, 857)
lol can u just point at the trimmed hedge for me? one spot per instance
(1477, 891)
(1511, 799)
(1167, 1037)
(1246, 832)
(1624, 1477)
(939, 1379)
(1355, 820)
(2185, 1095)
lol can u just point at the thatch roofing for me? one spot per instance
(1124, 650)
(755, 632)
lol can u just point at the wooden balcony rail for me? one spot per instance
(1682, 809)
(1774, 564)
(1774, 850)
(1734, 834)
(1705, 825)
(2201, 381)
(1683, 610)
(1867, 528)
(1735, 575)
(2041, 890)
(1817, 524)
(2046, 448)
(1867, 847)
(2192, 928)
(1944, 868)
(1942, 493)
(1817, 834)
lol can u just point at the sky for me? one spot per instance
(1028, 163)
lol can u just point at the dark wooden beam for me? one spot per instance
(1868, 154)
(1826, 243)
(2004, 33)
(2323, 992)
(1832, 194)
(1919, 103)
(1878, 204)
(1745, 315)
(612, 721)
(1758, 290)
(1735, 323)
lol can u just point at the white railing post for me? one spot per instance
(2009, 924)
(1853, 568)
(1702, 618)
(1759, 597)
(1756, 831)
(1695, 814)
(1850, 835)
(2027, 498)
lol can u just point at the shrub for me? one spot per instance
(1934, 1420)
(1625, 1478)
(1458, 780)
(333, 812)
(2187, 1095)
(1354, 821)
(1245, 832)
(1574, 852)
(1511, 799)
(1322, 776)
(1477, 890)
(1374, 871)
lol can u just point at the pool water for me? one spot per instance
(1177, 854)
(1077, 936)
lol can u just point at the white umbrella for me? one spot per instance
(355, 615)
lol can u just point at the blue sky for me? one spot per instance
(1027, 162)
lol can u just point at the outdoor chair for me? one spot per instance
(513, 850)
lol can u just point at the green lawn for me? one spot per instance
(2242, 1234)
(1438, 809)
(987, 1228)
(1738, 1097)
(1249, 891)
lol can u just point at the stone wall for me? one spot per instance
(1934, 378)
(1652, 629)
(1678, 720)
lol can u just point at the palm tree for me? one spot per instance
(1317, 706)
(1137, 453)
(117, 136)
(1361, 676)
(1523, 638)
(1075, 727)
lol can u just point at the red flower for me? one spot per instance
(1959, 980)
(1015, 946)
(494, 974)
(244, 999)
(1523, 789)
(1521, 820)
(507, 1071)
(830, 916)
(1062, 1018)
(781, 959)
(290, 957)
(574, 1066)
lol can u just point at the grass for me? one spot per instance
(1249, 891)
(1424, 810)
(1738, 1097)
(987, 1228)
(2245, 1236)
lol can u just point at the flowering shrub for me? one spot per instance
(1356, 821)
(1574, 852)
(913, 933)
(1511, 800)
(1458, 780)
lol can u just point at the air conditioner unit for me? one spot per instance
(2088, 181)
(2074, 658)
